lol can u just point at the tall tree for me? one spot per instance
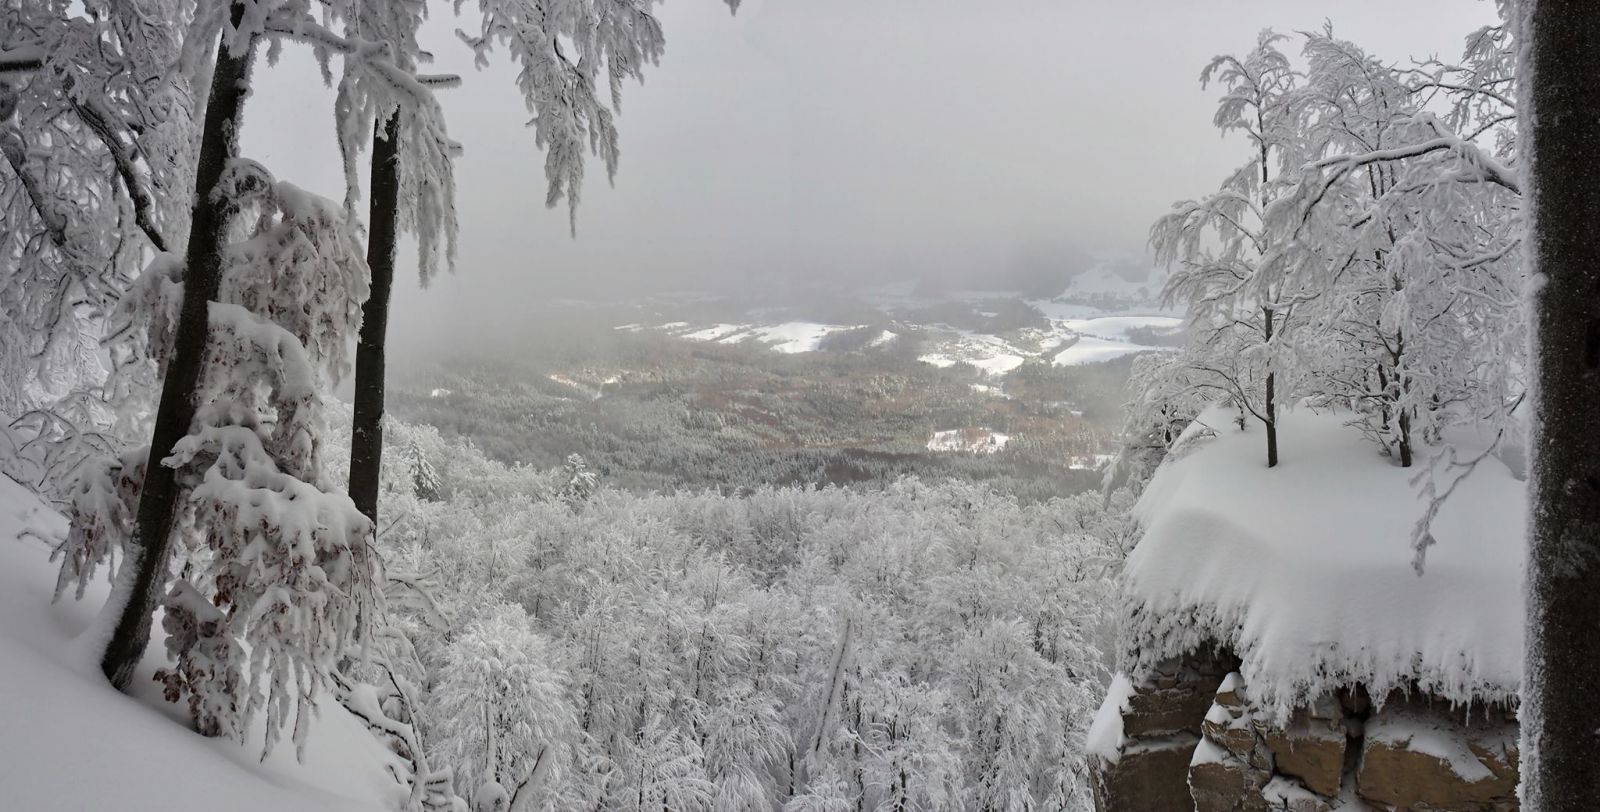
(366, 435)
(1559, 56)
(1237, 311)
(148, 551)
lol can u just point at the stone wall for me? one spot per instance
(1192, 740)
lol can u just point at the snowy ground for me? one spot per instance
(785, 337)
(971, 440)
(1305, 570)
(68, 741)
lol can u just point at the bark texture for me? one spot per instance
(366, 435)
(1560, 135)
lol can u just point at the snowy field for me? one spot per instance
(785, 337)
(968, 440)
(72, 742)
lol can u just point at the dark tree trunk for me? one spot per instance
(148, 549)
(1560, 133)
(1271, 405)
(366, 435)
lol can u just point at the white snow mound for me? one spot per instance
(1305, 570)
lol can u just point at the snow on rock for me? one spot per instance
(1403, 729)
(1105, 732)
(137, 753)
(1304, 570)
(972, 440)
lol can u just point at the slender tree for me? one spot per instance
(1561, 137)
(208, 233)
(366, 437)
(1238, 312)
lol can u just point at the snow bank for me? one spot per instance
(70, 741)
(1105, 732)
(1305, 570)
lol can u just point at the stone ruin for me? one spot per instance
(1192, 740)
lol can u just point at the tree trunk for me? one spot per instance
(366, 433)
(1271, 405)
(146, 561)
(1560, 136)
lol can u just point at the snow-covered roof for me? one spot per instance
(1305, 570)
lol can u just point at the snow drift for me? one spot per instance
(1305, 570)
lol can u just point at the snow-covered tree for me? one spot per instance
(96, 131)
(581, 482)
(1410, 230)
(781, 648)
(1239, 312)
(503, 712)
(424, 479)
(275, 576)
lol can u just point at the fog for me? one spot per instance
(834, 143)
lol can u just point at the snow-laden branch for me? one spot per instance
(375, 56)
(1481, 162)
(55, 223)
(133, 182)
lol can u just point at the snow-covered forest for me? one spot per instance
(1286, 503)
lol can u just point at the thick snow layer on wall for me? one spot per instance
(69, 741)
(1304, 570)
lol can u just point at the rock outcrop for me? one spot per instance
(1161, 727)
(1406, 754)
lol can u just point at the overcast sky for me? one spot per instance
(834, 141)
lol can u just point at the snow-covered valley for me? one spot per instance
(1101, 317)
